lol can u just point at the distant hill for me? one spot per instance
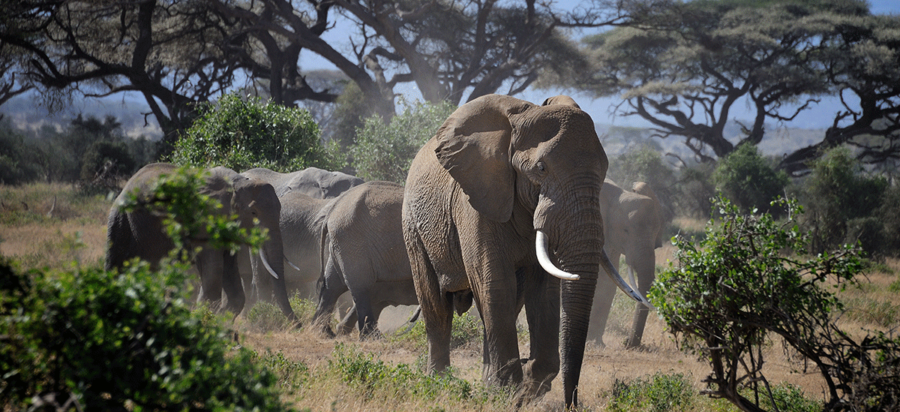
(778, 142)
(25, 113)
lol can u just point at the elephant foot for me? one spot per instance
(533, 387)
(374, 334)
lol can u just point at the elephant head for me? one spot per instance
(532, 177)
(255, 203)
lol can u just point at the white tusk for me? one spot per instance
(540, 247)
(262, 256)
(631, 278)
(292, 264)
(617, 279)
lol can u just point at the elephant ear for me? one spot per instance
(473, 145)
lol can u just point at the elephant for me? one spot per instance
(504, 194)
(633, 225)
(302, 194)
(140, 234)
(363, 251)
(312, 181)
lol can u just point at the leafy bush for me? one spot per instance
(658, 393)
(643, 164)
(385, 152)
(695, 191)
(242, 134)
(466, 329)
(745, 280)
(264, 316)
(104, 164)
(747, 179)
(837, 192)
(377, 379)
(111, 341)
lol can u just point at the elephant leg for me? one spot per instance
(497, 300)
(231, 284)
(348, 323)
(329, 291)
(645, 267)
(603, 298)
(365, 314)
(542, 302)
(437, 307)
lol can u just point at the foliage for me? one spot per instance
(837, 192)
(746, 178)
(16, 164)
(245, 133)
(377, 379)
(694, 191)
(107, 340)
(385, 151)
(743, 282)
(658, 393)
(105, 163)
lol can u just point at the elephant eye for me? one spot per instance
(541, 167)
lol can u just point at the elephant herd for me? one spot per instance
(506, 207)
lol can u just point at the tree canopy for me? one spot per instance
(683, 66)
(178, 53)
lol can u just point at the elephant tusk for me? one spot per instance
(292, 264)
(262, 256)
(617, 279)
(631, 278)
(540, 247)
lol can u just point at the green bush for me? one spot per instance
(658, 393)
(116, 341)
(748, 278)
(837, 192)
(385, 152)
(748, 180)
(643, 164)
(694, 191)
(377, 379)
(466, 329)
(242, 134)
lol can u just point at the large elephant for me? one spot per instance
(301, 193)
(632, 225)
(140, 233)
(364, 253)
(504, 194)
(312, 181)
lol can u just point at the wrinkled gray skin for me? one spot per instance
(364, 253)
(140, 234)
(632, 227)
(300, 234)
(499, 169)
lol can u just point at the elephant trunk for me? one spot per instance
(573, 222)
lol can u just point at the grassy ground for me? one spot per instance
(347, 375)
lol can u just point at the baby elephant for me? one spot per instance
(363, 252)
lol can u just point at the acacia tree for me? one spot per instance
(170, 52)
(684, 65)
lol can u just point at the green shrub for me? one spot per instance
(694, 191)
(264, 316)
(748, 278)
(837, 192)
(116, 341)
(385, 152)
(644, 164)
(242, 134)
(377, 379)
(747, 179)
(658, 393)
(788, 398)
(466, 329)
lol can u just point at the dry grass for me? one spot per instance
(76, 231)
